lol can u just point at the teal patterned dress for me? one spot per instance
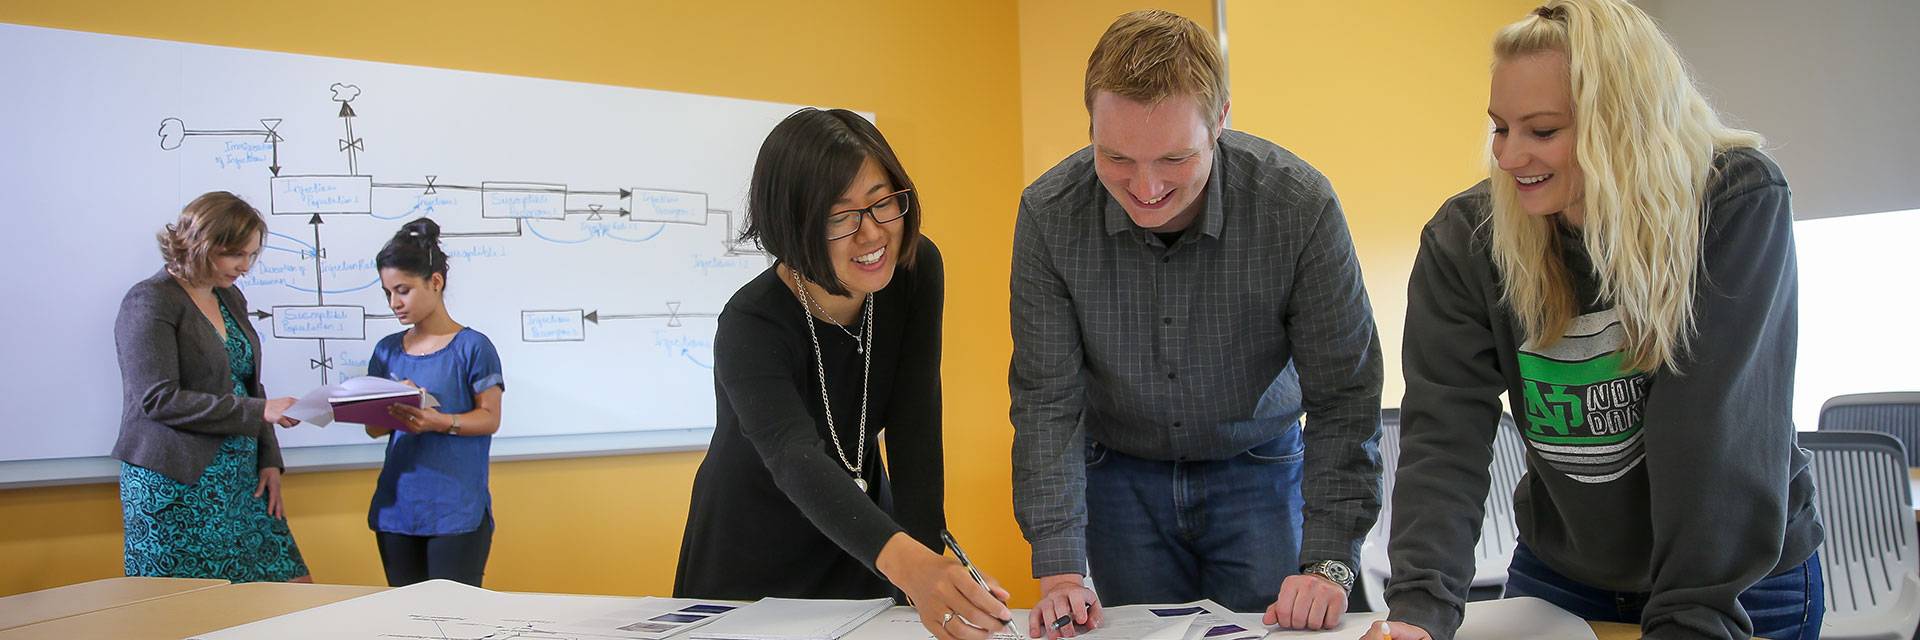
(213, 528)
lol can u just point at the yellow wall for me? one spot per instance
(1389, 99)
(941, 75)
(1386, 99)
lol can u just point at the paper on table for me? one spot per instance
(1153, 621)
(789, 619)
(649, 619)
(903, 623)
(1228, 626)
(1509, 619)
(314, 409)
(454, 611)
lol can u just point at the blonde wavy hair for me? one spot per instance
(1645, 140)
(214, 222)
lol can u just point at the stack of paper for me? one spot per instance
(786, 619)
(316, 408)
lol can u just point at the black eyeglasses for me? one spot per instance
(888, 208)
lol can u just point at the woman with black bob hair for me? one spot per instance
(814, 359)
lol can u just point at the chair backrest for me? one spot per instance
(1896, 414)
(1499, 532)
(1861, 491)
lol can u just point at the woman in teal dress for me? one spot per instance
(200, 462)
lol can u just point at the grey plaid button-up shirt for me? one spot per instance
(1197, 351)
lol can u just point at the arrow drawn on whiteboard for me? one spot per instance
(344, 94)
(691, 359)
(672, 316)
(174, 131)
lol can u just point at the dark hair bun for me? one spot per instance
(423, 230)
(415, 249)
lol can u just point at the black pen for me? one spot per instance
(1067, 619)
(964, 562)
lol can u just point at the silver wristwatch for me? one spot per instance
(1334, 570)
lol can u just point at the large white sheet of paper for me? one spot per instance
(446, 610)
(789, 619)
(903, 623)
(1510, 619)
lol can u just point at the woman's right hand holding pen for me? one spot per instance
(1063, 597)
(938, 586)
(1395, 631)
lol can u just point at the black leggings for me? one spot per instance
(460, 557)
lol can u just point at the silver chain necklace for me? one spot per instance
(819, 362)
(859, 346)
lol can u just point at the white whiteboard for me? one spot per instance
(590, 228)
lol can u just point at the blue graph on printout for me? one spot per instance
(591, 229)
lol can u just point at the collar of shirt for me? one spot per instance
(1212, 214)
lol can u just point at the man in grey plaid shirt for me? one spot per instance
(1182, 295)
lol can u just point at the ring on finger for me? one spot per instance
(946, 618)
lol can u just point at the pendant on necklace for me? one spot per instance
(862, 483)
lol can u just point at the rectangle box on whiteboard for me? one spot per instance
(523, 200)
(316, 322)
(554, 325)
(300, 195)
(678, 207)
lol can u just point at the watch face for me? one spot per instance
(1335, 571)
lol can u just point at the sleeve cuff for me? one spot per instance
(1438, 618)
(489, 382)
(1316, 551)
(1055, 556)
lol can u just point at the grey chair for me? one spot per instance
(1499, 534)
(1866, 505)
(1896, 414)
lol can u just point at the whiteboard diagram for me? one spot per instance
(317, 196)
(591, 229)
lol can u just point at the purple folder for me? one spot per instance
(371, 410)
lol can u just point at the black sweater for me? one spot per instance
(774, 512)
(1688, 486)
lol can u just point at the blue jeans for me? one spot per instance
(1166, 532)
(1785, 606)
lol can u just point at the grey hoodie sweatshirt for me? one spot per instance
(1687, 485)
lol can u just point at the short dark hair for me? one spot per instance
(414, 249)
(805, 164)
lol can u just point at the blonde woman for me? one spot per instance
(200, 463)
(1626, 276)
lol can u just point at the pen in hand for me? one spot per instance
(1066, 619)
(972, 571)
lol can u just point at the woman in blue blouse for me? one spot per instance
(432, 513)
